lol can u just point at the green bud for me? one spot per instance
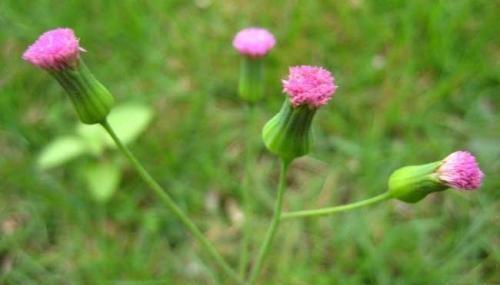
(288, 133)
(90, 98)
(251, 87)
(412, 183)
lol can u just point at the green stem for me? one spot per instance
(271, 232)
(251, 85)
(172, 206)
(246, 197)
(331, 210)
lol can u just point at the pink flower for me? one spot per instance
(309, 85)
(254, 42)
(54, 50)
(461, 171)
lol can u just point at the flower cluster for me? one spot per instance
(287, 134)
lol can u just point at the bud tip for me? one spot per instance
(54, 49)
(461, 171)
(311, 85)
(254, 42)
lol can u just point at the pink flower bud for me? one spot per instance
(58, 52)
(458, 170)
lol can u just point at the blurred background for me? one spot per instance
(418, 80)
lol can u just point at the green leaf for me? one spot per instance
(102, 180)
(94, 136)
(129, 121)
(60, 151)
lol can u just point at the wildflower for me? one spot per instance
(458, 170)
(288, 133)
(58, 52)
(253, 44)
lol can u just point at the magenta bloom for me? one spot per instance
(309, 85)
(461, 171)
(54, 50)
(254, 42)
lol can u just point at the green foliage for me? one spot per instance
(418, 80)
(102, 178)
(128, 120)
(60, 151)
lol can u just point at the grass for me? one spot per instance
(418, 80)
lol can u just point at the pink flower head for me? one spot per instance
(461, 171)
(54, 50)
(254, 42)
(309, 85)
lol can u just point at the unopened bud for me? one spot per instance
(459, 170)
(288, 133)
(58, 52)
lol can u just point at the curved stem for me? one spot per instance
(331, 210)
(171, 205)
(246, 197)
(271, 232)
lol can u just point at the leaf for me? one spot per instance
(129, 121)
(102, 180)
(60, 151)
(94, 136)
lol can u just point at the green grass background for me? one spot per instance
(418, 80)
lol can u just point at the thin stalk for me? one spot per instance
(271, 232)
(172, 206)
(332, 210)
(247, 200)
